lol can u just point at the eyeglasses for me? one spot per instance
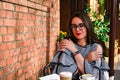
(81, 26)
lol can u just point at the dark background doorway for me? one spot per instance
(67, 9)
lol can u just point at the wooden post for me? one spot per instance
(113, 13)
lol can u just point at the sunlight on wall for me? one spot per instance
(94, 5)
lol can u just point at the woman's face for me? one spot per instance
(78, 28)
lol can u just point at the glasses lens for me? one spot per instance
(80, 26)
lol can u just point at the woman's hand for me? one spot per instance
(67, 44)
(92, 56)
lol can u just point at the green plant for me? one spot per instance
(61, 36)
(100, 22)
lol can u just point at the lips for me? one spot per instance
(78, 34)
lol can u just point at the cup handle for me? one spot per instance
(80, 78)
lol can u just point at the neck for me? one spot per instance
(82, 43)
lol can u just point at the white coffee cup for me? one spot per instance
(65, 75)
(87, 77)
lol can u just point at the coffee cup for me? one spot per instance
(87, 77)
(65, 75)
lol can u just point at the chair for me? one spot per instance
(48, 69)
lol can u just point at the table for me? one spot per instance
(50, 77)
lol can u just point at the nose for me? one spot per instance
(77, 28)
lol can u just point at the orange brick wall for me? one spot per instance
(28, 32)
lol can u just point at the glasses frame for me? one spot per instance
(81, 26)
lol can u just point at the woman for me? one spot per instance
(83, 45)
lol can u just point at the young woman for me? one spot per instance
(83, 46)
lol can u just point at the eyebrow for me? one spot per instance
(78, 24)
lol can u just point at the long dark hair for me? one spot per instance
(91, 36)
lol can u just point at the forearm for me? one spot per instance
(80, 62)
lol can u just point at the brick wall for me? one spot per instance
(28, 32)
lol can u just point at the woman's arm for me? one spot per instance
(68, 44)
(80, 60)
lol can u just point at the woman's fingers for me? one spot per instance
(98, 55)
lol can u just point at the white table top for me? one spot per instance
(50, 77)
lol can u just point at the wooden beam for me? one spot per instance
(113, 13)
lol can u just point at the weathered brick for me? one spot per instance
(7, 38)
(23, 2)
(3, 46)
(3, 30)
(11, 45)
(9, 14)
(0, 38)
(1, 22)
(3, 13)
(10, 22)
(3, 63)
(8, 6)
(12, 1)
(5, 54)
(21, 9)
(20, 72)
(9, 61)
(10, 76)
(11, 30)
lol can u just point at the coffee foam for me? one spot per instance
(65, 74)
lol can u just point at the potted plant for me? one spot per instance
(101, 24)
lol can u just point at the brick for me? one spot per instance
(11, 30)
(0, 38)
(19, 29)
(21, 23)
(7, 38)
(3, 46)
(17, 66)
(32, 11)
(8, 6)
(0, 5)
(6, 54)
(9, 61)
(19, 36)
(40, 7)
(12, 1)
(11, 45)
(13, 52)
(21, 9)
(3, 63)
(3, 13)
(1, 73)
(15, 59)
(10, 76)
(22, 16)
(3, 30)
(1, 55)
(31, 4)
(6, 70)
(23, 2)
(9, 14)
(1, 22)
(10, 22)
(20, 72)
(20, 44)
